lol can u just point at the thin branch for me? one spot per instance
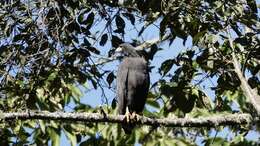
(212, 121)
(103, 61)
(254, 98)
(144, 45)
(149, 43)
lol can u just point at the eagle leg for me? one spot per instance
(127, 116)
(127, 125)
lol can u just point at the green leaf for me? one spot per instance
(116, 41)
(130, 17)
(81, 17)
(166, 66)
(110, 78)
(76, 93)
(72, 137)
(86, 43)
(153, 103)
(202, 99)
(163, 26)
(94, 50)
(83, 52)
(54, 135)
(89, 142)
(42, 126)
(103, 39)
(153, 51)
(90, 19)
(52, 76)
(141, 31)
(114, 103)
(198, 37)
(216, 141)
(120, 23)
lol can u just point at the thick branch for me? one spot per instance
(212, 121)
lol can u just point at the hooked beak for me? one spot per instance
(119, 50)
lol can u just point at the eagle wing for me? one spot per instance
(122, 77)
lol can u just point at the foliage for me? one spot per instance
(49, 52)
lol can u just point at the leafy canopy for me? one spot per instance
(50, 51)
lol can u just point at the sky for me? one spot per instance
(94, 97)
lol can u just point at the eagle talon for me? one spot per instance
(131, 117)
(134, 116)
(127, 117)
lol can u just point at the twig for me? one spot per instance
(103, 61)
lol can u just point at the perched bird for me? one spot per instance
(132, 83)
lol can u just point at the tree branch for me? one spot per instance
(212, 121)
(254, 98)
(142, 46)
(149, 43)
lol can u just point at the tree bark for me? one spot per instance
(212, 121)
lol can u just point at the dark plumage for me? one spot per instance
(132, 82)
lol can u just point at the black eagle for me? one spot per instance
(132, 83)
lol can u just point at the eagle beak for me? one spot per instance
(119, 50)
